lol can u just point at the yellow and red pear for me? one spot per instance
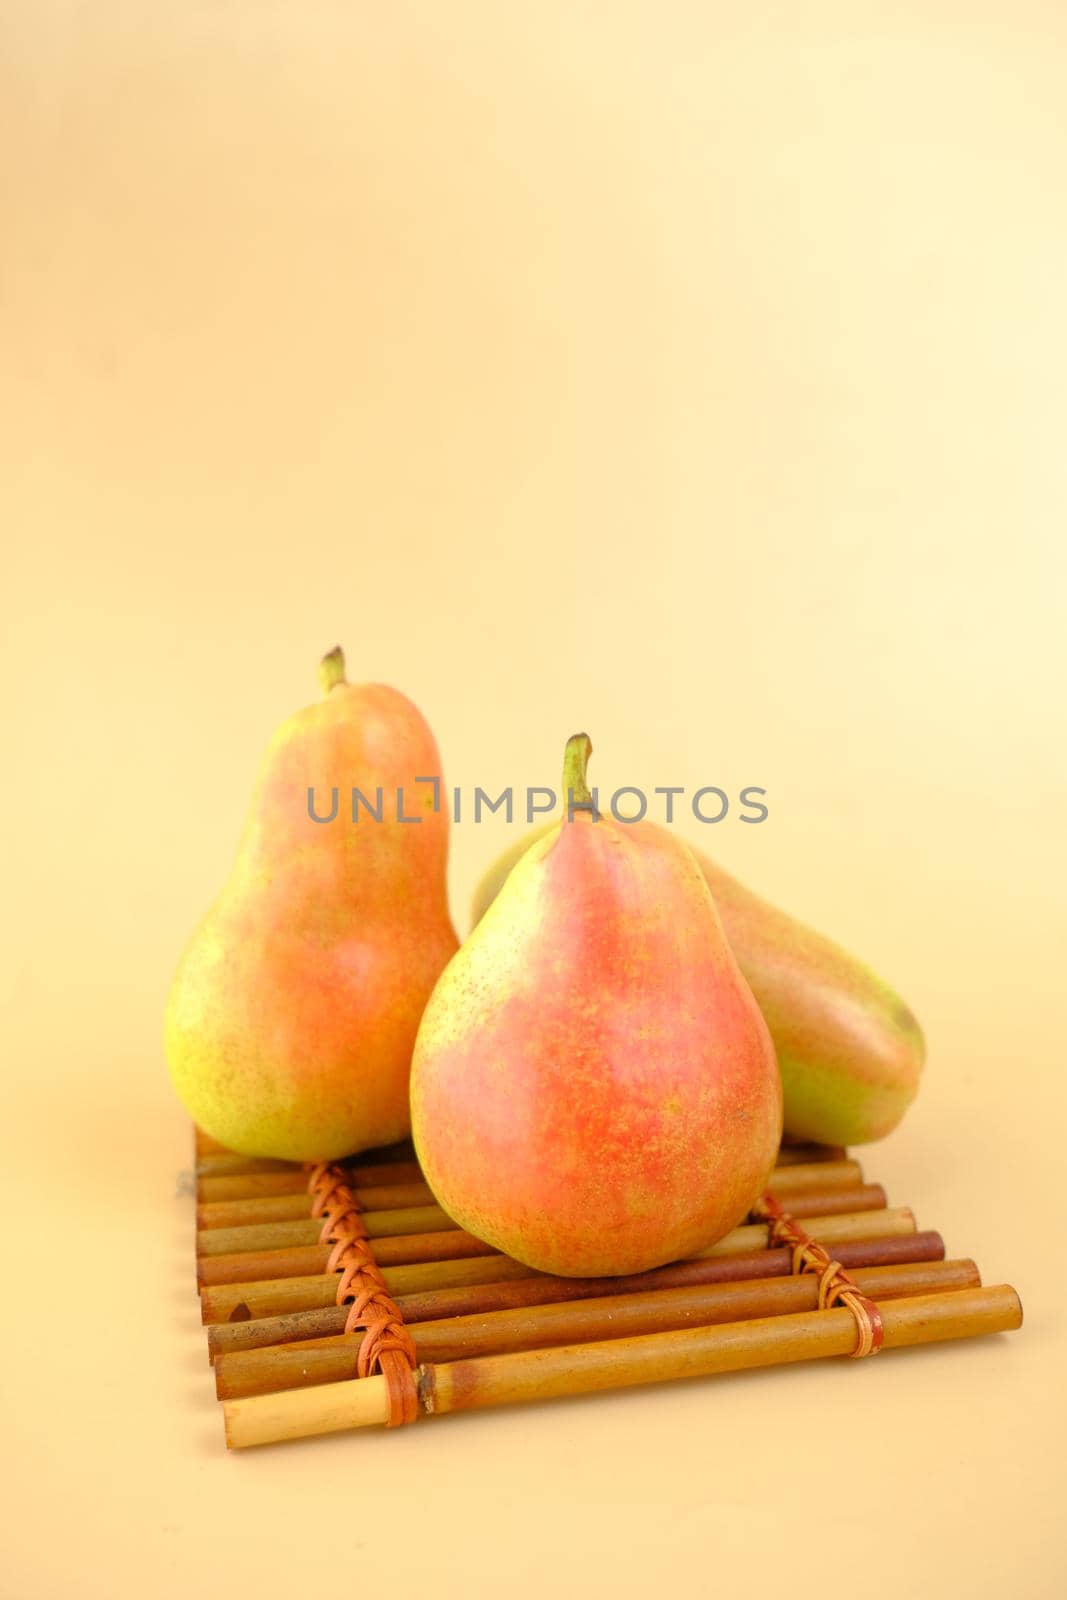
(849, 1049)
(594, 1090)
(293, 1013)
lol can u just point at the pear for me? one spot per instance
(849, 1049)
(294, 1009)
(594, 1090)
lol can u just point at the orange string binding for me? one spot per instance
(835, 1285)
(387, 1346)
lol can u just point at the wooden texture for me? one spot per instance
(405, 1218)
(212, 1214)
(792, 1154)
(489, 1330)
(293, 1180)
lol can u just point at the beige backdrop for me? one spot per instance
(691, 373)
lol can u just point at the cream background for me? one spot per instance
(692, 373)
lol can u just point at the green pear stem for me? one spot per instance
(332, 669)
(575, 760)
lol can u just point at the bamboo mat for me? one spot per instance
(454, 1325)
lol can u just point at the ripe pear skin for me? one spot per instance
(294, 1009)
(849, 1050)
(594, 1090)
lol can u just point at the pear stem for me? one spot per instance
(332, 669)
(576, 789)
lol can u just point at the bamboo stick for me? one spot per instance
(211, 1214)
(827, 1229)
(259, 1236)
(330, 1359)
(438, 1244)
(241, 1213)
(294, 1180)
(821, 1175)
(265, 1297)
(380, 1224)
(224, 1163)
(304, 1413)
(509, 1295)
(731, 1347)
(832, 1202)
(256, 1266)
(790, 1154)
(232, 1303)
(618, 1363)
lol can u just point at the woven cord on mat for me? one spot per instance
(835, 1285)
(387, 1346)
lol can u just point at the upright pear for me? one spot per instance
(594, 1090)
(293, 1013)
(849, 1049)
